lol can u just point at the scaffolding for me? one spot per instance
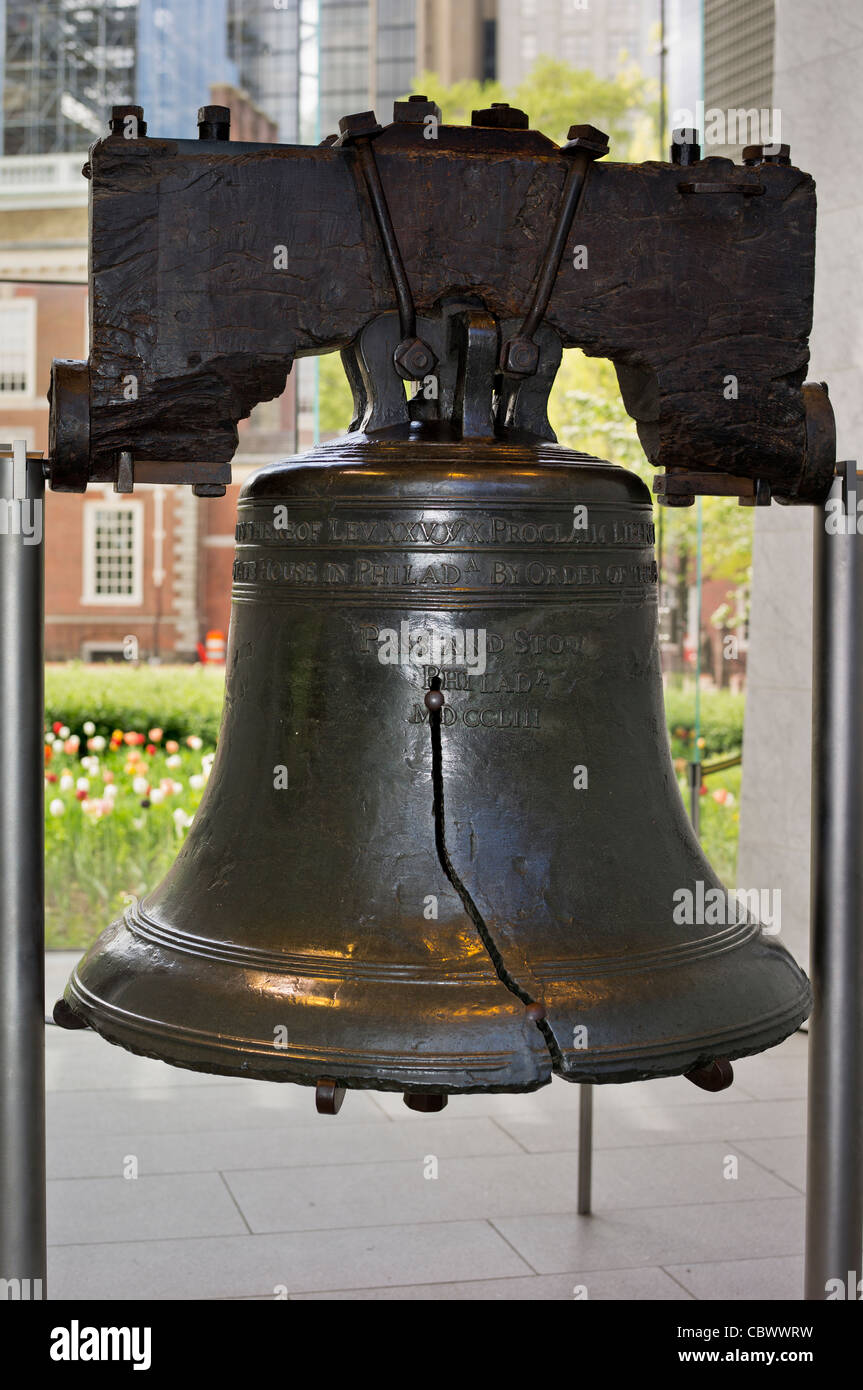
(65, 64)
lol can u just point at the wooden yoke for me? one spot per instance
(214, 264)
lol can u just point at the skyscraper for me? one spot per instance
(66, 64)
(591, 36)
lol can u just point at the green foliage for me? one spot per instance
(335, 399)
(556, 96)
(721, 722)
(720, 821)
(100, 855)
(586, 412)
(180, 699)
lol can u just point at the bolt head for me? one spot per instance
(434, 700)
(520, 357)
(758, 154)
(501, 116)
(415, 110)
(413, 359)
(119, 115)
(359, 124)
(587, 138)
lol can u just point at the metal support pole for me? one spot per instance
(22, 919)
(834, 1201)
(585, 1148)
(694, 778)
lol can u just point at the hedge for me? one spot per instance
(180, 699)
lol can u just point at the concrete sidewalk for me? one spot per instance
(243, 1191)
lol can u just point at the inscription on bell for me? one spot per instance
(439, 533)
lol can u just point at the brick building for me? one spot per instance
(154, 566)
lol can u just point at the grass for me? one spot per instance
(104, 848)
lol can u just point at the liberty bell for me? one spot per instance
(443, 849)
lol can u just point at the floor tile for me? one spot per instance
(367, 1194)
(653, 1284)
(249, 1266)
(641, 1126)
(786, 1157)
(777, 1278)
(658, 1236)
(94, 1210)
(327, 1142)
(172, 1110)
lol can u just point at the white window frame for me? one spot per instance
(13, 400)
(90, 596)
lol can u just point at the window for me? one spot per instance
(17, 349)
(113, 553)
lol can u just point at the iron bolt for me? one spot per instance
(587, 138)
(119, 117)
(413, 359)
(214, 123)
(520, 357)
(685, 146)
(501, 116)
(755, 154)
(359, 124)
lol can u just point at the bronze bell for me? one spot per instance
(443, 845)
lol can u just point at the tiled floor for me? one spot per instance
(243, 1191)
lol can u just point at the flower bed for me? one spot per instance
(116, 810)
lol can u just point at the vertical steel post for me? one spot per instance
(585, 1148)
(22, 924)
(834, 1201)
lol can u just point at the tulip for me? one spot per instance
(57, 727)
(194, 742)
(57, 807)
(155, 735)
(89, 728)
(172, 746)
(140, 786)
(174, 761)
(80, 795)
(83, 784)
(67, 782)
